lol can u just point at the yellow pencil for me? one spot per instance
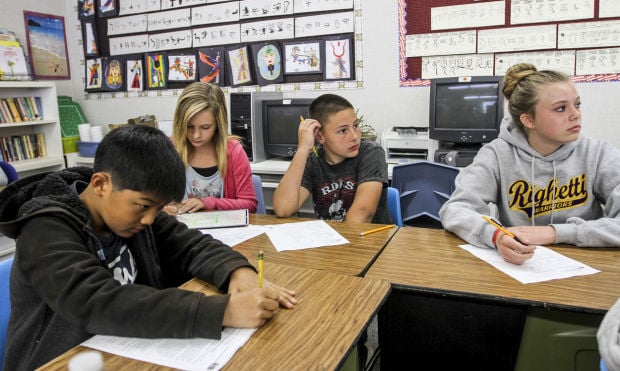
(301, 119)
(500, 227)
(260, 269)
(377, 229)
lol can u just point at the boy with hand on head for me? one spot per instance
(95, 255)
(347, 176)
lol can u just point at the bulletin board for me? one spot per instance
(153, 47)
(444, 38)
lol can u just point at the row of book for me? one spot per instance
(22, 147)
(20, 109)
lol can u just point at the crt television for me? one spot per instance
(466, 110)
(280, 120)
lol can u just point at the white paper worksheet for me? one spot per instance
(545, 265)
(303, 235)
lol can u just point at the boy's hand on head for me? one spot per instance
(245, 279)
(306, 135)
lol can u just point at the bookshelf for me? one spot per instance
(49, 125)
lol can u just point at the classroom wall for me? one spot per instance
(382, 102)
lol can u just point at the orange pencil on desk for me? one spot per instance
(377, 229)
(301, 119)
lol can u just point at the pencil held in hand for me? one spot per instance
(260, 269)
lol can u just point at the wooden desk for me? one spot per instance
(317, 334)
(351, 259)
(482, 309)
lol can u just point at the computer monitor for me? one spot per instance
(280, 120)
(466, 110)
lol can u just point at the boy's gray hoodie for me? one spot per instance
(576, 189)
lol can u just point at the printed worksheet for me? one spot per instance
(545, 265)
(303, 235)
(184, 354)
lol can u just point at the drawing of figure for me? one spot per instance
(269, 59)
(156, 72)
(136, 70)
(340, 67)
(94, 74)
(213, 76)
(114, 78)
(242, 72)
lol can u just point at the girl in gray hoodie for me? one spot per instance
(549, 184)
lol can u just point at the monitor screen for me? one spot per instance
(466, 110)
(281, 119)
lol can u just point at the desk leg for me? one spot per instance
(438, 332)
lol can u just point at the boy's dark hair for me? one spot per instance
(142, 159)
(326, 105)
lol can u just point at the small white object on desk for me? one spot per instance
(86, 361)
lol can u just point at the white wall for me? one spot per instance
(382, 102)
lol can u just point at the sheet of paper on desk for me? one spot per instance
(184, 354)
(215, 219)
(234, 236)
(303, 235)
(545, 265)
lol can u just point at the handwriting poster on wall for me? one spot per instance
(457, 65)
(179, 18)
(526, 11)
(559, 60)
(138, 6)
(324, 24)
(550, 32)
(129, 44)
(215, 13)
(608, 8)
(264, 8)
(128, 24)
(217, 35)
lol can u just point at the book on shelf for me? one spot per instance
(22, 147)
(13, 65)
(20, 109)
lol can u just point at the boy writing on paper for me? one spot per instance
(346, 176)
(549, 183)
(95, 255)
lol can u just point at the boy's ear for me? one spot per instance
(101, 182)
(319, 137)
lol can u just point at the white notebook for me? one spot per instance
(215, 219)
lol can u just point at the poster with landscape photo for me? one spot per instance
(47, 45)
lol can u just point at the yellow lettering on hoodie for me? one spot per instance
(552, 197)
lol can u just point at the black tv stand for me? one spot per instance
(456, 154)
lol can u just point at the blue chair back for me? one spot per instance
(5, 303)
(393, 202)
(424, 186)
(258, 189)
(9, 170)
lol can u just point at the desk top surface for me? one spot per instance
(318, 333)
(424, 259)
(353, 258)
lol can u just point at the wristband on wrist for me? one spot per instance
(495, 234)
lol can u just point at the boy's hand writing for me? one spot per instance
(512, 250)
(245, 279)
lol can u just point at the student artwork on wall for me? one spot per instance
(239, 65)
(302, 57)
(181, 67)
(86, 9)
(93, 74)
(155, 70)
(89, 39)
(135, 73)
(211, 62)
(107, 8)
(114, 74)
(47, 45)
(339, 58)
(268, 63)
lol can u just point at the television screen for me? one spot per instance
(466, 110)
(281, 119)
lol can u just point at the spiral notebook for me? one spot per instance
(215, 219)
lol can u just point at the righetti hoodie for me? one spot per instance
(62, 292)
(576, 189)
